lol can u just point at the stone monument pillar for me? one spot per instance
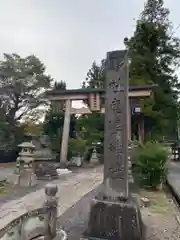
(129, 124)
(115, 213)
(65, 136)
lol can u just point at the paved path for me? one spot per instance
(6, 169)
(174, 177)
(75, 220)
(69, 192)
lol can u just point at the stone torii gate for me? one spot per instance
(92, 97)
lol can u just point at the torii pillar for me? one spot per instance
(129, 123)
(65, 135)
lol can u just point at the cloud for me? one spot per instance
(169, 3)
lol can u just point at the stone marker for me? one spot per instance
(115, 213)
(94, 158)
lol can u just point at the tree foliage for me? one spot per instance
(33, 128)
(22, 84)
(53, 122)
(154, 51)
(53, 127)
(95, 76)
(155, 55)
(77, 146)
(151, 164)
(59, 85)
(91, 127)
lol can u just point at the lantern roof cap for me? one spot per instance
(26, 145)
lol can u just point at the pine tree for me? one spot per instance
(95, 76)
(155, 54)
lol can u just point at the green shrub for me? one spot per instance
(150, 164)
(77, 146)
(87, 154)
(69, 155)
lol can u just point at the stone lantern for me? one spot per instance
(27, 152)
(94, 159)
(24, 165)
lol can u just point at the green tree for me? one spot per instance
(6, 137)
(53, 123)
(95, 76)
(77, 146)
(59, 85)
(33, 128)
(53, 127)
(22, 84)
(155, 54)
(91, 127)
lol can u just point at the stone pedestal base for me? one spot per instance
(45, 170)
(28, 178)
(33, 181)
(62, 165)
(115, 220)
(13, 179)
(25, 180)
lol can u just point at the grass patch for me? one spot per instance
(3, 187)
(159, 202)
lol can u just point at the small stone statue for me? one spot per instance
(94, 159)
(51, 208)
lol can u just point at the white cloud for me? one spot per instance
(69, 35)
(169, 3)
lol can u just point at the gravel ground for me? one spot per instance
(161, 217)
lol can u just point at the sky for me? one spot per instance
(68, 35)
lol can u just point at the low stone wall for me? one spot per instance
(36, 224)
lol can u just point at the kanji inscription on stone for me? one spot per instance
(116, 119)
